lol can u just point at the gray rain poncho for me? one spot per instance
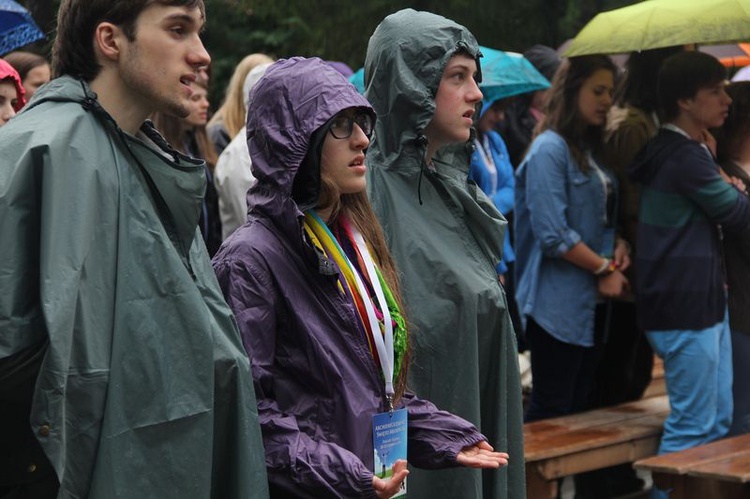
(446, 237)
(145, 389)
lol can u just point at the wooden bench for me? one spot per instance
(558, 447)
(720, 469)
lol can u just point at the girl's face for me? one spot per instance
(343, 156)
(35, 78)
(8, 99)
(198, 107)
(595, 97)
(455, 102)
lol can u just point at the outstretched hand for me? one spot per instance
(388, 488)
(481, 455)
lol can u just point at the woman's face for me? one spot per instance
(8, 99)
(455, 102)
(343, 159)
(35, 78)
(595, 97)
(198, 107)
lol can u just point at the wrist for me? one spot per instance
(607, 267)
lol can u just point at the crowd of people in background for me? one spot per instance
(252, 289)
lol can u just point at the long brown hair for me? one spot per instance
(358, 210)
(563, 115)
(232, 111)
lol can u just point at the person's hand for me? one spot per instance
(481, 455)
(501, 279)
(734, 181)
(388, 488)
(613, 285)
(622, 254)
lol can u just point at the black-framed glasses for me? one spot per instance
(342, 125)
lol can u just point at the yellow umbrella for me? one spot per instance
(663, 23)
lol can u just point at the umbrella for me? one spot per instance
(663, 23)
(358, 80)
(17, 28)
(505, 74)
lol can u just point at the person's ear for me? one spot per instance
(684, 104)
(108, 39)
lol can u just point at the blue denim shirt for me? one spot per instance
(557, 206)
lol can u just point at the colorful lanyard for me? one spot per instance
(384, 341)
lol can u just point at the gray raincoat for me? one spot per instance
(317, 383)
(446, 237)
(145, 390)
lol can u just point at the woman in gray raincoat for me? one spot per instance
(446, 237)
(316, 296)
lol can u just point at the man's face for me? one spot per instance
(161, 64)
(710, 106)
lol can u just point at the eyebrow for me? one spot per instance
(185, 18)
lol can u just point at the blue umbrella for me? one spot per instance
(505, 74)
(17, 28)
(358, 80)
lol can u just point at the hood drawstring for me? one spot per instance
(421, 141)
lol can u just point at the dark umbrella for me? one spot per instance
(17, 28)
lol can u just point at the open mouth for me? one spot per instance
(360, 161)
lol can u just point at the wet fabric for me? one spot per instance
(145, 390)
(447, 238)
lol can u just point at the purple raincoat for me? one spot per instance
(316, 381)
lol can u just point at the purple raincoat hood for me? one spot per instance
(293, 99)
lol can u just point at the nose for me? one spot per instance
(358, 139)
(6, 113)
(198, 55)
(474, 94)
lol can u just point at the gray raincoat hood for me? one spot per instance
(402, 84)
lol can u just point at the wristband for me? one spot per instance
(606, 268)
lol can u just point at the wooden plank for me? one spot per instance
(680, 462)
(597, 417)
(560, 444)
(597, 458)
(734, 468)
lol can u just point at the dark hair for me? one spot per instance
(638, 87)
(23, 62)
(73, 50)
(736, 128)
(562, 106)
(682, 75)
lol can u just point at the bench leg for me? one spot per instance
(538, 487)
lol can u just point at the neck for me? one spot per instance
(693, 129)
(113, 97)
(324, 213)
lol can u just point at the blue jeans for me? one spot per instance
(698, 374)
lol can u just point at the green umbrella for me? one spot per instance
(663, 23)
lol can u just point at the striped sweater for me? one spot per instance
(684, 206)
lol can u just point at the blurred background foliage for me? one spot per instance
(339, 30)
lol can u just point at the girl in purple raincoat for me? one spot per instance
(314, 290)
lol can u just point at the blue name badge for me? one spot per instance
(389, 435)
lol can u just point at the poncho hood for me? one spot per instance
(8, 72)
(402, 76)
(294, 98)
